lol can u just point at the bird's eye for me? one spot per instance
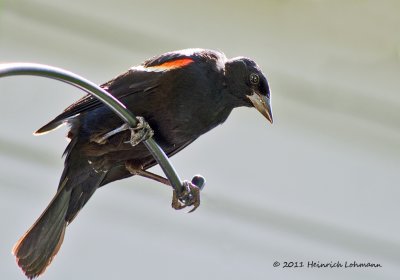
(254, 79)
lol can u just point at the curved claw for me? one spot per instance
(196, 202)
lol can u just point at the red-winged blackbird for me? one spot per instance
(181, 95)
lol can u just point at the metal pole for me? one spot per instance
(14, 69)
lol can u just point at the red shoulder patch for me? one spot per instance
(171, 64)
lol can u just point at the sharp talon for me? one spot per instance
(141, 132)
(194, 208)
(195, 198)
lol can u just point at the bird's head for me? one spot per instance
(249, 85)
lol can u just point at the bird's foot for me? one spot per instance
(133, 167)
(141, 132)
(189, 197)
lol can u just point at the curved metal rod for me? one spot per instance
(14, 69)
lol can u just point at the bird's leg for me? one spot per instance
(102, 139)
(136, 169)
(190, 196)
(140, 133)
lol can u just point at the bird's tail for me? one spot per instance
(36, 249)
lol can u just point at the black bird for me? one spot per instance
(181, 95)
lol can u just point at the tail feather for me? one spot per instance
(49, 127)
(42, 262)
(36, 249)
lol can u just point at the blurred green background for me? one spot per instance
(321, 184)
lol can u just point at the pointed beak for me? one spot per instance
(262, 104)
